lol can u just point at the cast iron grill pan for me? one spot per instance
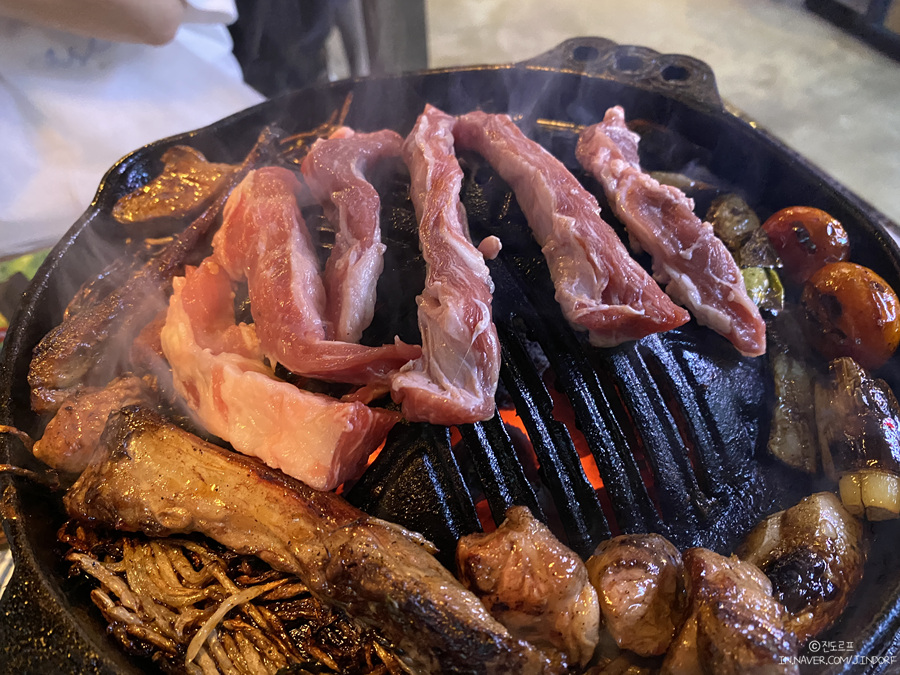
(674, 425)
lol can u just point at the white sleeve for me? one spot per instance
(210, 11)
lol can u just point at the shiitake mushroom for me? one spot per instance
(813, 553)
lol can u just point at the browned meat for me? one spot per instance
(734, 624)
(534, 585)
(813, 554)
(377, 575)
(114, 275)
(625, 663)
(683, 657)
(640, 582)
(156, 478)
(72, 436)
(88, 348)
(187, 183)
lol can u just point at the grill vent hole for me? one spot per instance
(675, 74)
(585, 53)
(629, 63)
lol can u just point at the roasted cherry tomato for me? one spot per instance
(806, 239)
(851, 311)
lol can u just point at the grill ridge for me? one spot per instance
(694, 418)
(500, 473)
(633, 508)
(658, 441)
(559, 463)
(416, 482)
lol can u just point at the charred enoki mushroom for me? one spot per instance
(193, 607)
(294, 148)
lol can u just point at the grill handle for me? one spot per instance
(673, 75)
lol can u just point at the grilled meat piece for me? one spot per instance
(533, 584)
(333, 170)
(734, 625)
(71, 438)
(156, 478)
(373, 571)
(114, 275)
(598, 285)
(814, 556)
(455, 380)
(640, 582)
(264, 240)
(87, 349)
(88, 346)
(186, 184)
(688, 257)
(625, 663)
(147, 358)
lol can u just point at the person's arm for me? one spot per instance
(146, 21)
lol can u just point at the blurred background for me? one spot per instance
(819, 74)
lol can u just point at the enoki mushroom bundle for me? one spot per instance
(195, 609)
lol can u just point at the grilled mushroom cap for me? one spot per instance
(813, 554)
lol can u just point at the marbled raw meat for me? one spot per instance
(688, 257)
(456, 378)
(217, 367)
(598, 285)
(264, 240)
(334, 172)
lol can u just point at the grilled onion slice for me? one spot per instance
(871, 493)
